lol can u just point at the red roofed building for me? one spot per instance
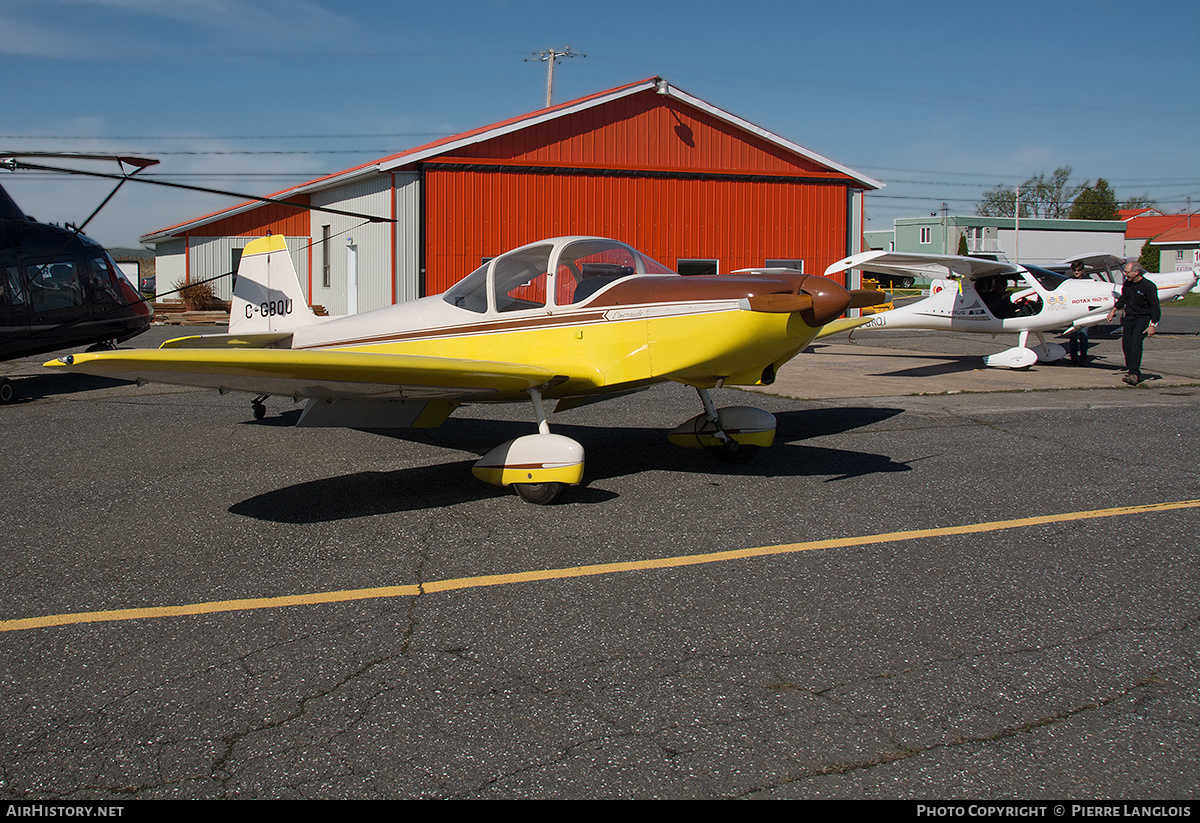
(693, 186)
(1179, 247)
(1146, 224)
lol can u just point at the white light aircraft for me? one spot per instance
(572, 319)
(1108, 268)
(973, 294)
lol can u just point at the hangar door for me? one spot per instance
(474, 213)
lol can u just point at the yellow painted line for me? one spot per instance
(575, 571)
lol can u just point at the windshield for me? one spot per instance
(1047, 278)
(470, 293)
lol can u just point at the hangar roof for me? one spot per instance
(448, 145)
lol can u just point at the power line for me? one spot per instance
(372, 136)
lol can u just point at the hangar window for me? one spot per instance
(797, 264)
(926, 235)
(695, 267)
(326, 267)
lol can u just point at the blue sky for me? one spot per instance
(941, 101)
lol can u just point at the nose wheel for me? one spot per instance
(731, 435)
(540, 494)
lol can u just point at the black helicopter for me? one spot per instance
(59, 289)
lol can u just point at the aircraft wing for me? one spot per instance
(1101, 261)
(926, 265)
(328, 375)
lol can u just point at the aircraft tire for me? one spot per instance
(736, 454)
(540, 494)
(7, 391)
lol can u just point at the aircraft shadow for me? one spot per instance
(28, 388)
(611, 453)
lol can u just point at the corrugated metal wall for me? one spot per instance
(644, 131)
(210, 257)
(258, 221)
(372, 241)
(211, 254)
(669, 179)
(473, 214)
(407, 187)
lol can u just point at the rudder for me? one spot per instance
(267, 296)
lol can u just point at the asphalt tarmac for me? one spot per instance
(977, 585)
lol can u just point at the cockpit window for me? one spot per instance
(521, 277)
(470, 293)
(102, 279)
(54, 285)
(587, 266)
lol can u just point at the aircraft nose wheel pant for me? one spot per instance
(733, 434)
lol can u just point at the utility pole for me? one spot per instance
(945, 229)
(550, 58)
(1017, 228)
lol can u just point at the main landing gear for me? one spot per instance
(1022, 356)
(537, 466)
(540, 466)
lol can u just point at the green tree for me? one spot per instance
(963, 249)
(1050, 197)
(1098, 202)
(1150, 257)
(999, 202)
(1142, 202)
(1039, 196)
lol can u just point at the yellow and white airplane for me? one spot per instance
(571, 319)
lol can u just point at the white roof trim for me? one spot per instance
(514, 125)
(668, 90)
(409, 158)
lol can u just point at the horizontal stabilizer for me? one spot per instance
(269, 340)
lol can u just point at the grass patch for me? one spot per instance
(1190, 301)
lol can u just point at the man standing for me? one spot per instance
(1077, 339)
(1139, 301)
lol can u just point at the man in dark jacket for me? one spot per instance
(1139, 301)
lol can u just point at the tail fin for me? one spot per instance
(267, 296)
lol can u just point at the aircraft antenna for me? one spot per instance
(550, 58)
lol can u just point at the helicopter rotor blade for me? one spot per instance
(11, 163)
